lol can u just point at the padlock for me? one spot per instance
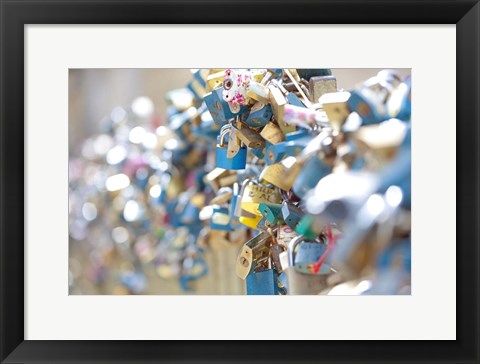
(222, 158)
(219, 108)
(254, 194)
(215, 80)
(236, 85)
(272, 133)
(249, 137)
(368, 105)
(220, 219)
(278, 102)
(254, 252)
(260, 114)
(260, 152)
(292, 146)
(258, 92)
(336, 107)
(282, 174)
(320, 85)
(381, 141)
(262, 283)
(313, 171)
(291, 214)
(224, 195)
(301, 281)
(271, 212)
(213, 177)
(249, 220)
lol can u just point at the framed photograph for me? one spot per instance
(164, 162)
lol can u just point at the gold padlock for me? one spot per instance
(254, 194)
(258, 92)
(233, 143)
(256, 250)
(380, 142)
(215, 80)
(336, 107)
(320, 85)
(284, 173)
(249, 137)
(213, 177)
(223, 196)
(272, 133)
(278, 102)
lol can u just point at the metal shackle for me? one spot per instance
(291, 248)
(223, 132)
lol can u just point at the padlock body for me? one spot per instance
(262, 283)
(370, 109)
(312, 172)
(260, 117)
(305, 283)
(219, 108)
(239, 161)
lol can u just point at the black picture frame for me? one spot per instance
(15, 14)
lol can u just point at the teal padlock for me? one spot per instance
(271, 212)
(238, 161)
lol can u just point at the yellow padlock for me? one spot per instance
(250, 222)
(254, 194)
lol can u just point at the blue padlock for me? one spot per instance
(312, 172)
(291, 214)
(260, 115)
(366, 104)
(308, 253)
(292, 146)
(219, 108)
(220, 219)
(239, 161)
(260, 152)
(262, 283)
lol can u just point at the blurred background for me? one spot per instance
(94, 94)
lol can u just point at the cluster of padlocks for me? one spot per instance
(311, 182)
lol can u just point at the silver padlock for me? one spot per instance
(300, 280)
